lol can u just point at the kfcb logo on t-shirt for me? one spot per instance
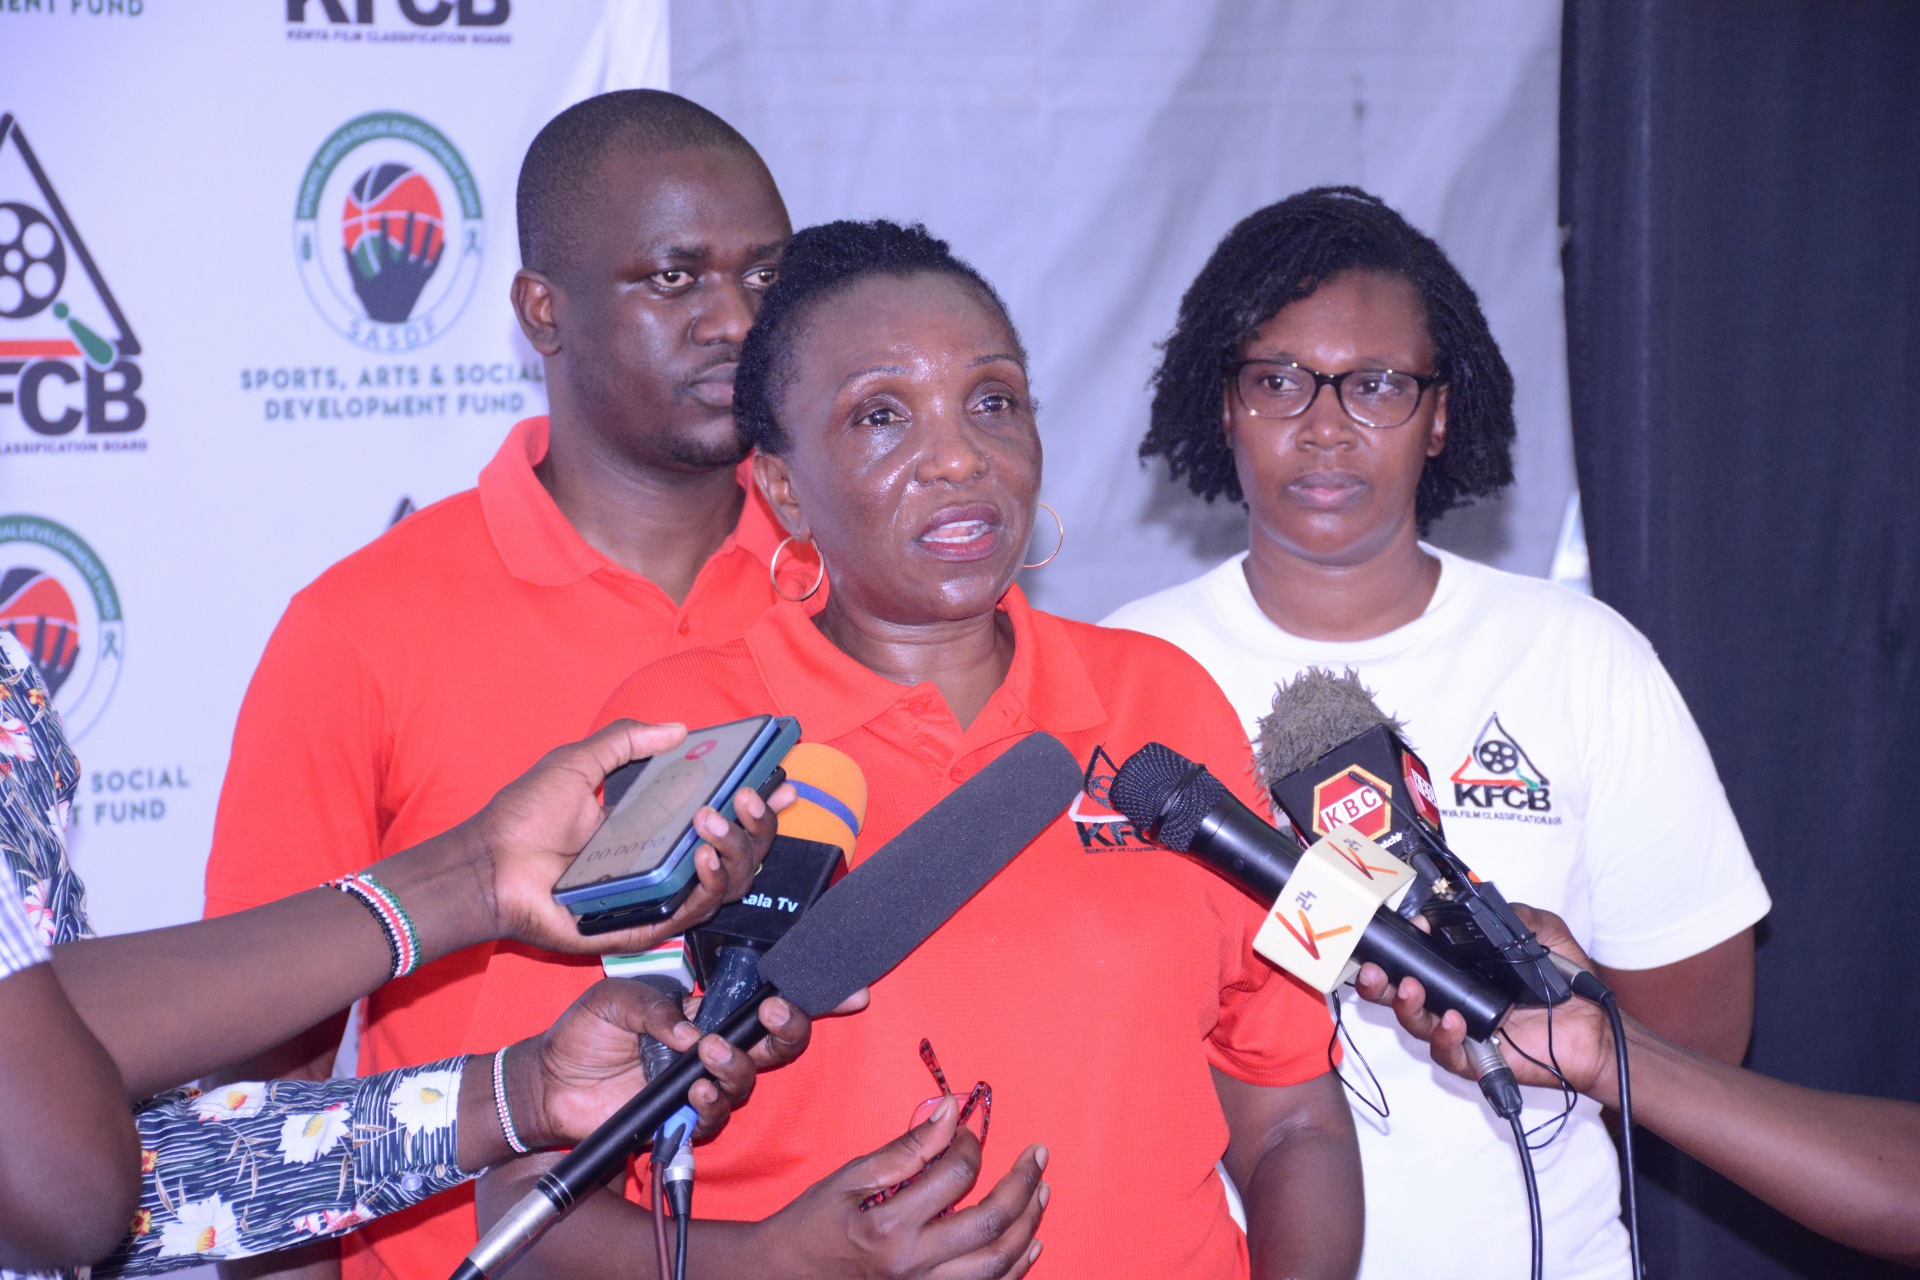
(1498, 775)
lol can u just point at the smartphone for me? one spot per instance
(638, 868)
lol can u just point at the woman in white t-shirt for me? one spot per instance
(1332, 370)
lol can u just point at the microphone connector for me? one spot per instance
(678, 1180)
(1496, 1077)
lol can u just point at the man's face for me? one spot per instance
(673, 253)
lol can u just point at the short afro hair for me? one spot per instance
(565, 158)
(1283, 253)
(820, 262)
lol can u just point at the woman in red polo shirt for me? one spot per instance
(1104, 988)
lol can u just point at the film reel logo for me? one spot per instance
(387, 231)
(66, 350)
(1498, 771)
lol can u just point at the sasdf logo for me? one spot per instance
(387, 231)
(59, 602)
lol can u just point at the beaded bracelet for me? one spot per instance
(402, 939)
(500, 1103)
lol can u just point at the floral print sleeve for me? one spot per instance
(246, 1168)
(250, 1168)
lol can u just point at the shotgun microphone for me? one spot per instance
(859, 930)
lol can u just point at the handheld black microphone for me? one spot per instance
(1178, 803)
(859, 930)
(1330, 755)
(815, 841)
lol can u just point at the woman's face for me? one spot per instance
(913, 459)
(1321, 486)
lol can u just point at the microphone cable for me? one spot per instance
(1502, 1092)
(1627, 1178)
(1588, 986)
(1533, 1194)
(672, 1181)
(663, 1256)
(1340, 1033)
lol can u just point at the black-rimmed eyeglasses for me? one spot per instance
(1372, 397)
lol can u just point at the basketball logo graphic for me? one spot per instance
(394, 235)
(40, 613)
(399, 264)
(58, 601)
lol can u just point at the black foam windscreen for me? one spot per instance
(1311, 715)
(893, 901)
(1165, 794)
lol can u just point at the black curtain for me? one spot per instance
(1740, 184)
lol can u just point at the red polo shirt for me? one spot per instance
(403, 688)
(1092, 983)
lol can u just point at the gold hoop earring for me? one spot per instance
(773, 571)
(1056, 546)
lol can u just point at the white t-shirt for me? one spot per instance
(1570, 774)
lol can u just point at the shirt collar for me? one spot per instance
(1047, 686)
(537, 542)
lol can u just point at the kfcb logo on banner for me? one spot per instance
(59, 602)
(400, 21)
(68, 372)
(387, 232)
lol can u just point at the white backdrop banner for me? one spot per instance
(1087, 155)
(254, 262)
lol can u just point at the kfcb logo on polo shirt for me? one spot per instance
(68, 373)
(59, 602)
(388, 232)
(1498, 774)
(1099, 827)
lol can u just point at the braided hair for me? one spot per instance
(818, 263)
(1283, 253)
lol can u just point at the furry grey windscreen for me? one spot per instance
(1313, 714)
(893, 901)
(1159, 784)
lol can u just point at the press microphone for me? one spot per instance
(1329, 755)
(862, 927)
(814, 842)
(1178, 803)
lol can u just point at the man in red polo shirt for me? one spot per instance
(417, 676)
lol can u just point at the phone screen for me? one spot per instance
(656, 810)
